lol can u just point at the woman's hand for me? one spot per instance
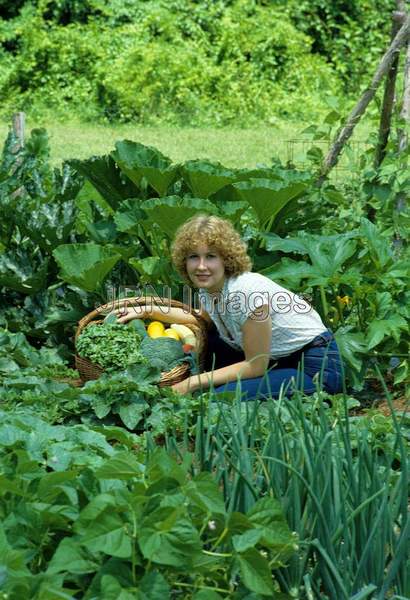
(126, 314)
(186, 386)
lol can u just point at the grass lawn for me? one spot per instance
(244, 147)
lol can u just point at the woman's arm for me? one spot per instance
(256, 338)
(167, 314)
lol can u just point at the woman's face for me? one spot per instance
(205, 268)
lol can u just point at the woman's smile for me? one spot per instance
(205, 268)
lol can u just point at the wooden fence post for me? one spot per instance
(402, 197)
(405, 110)
(398, 17)
(346, 131)
(19, 125)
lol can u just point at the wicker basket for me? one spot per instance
(89, 370)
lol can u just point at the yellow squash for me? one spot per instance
(171, 333)
(155, 329)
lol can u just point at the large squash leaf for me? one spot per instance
(49, 225)
(205, 178)
(22, 271)
(232, 210)
(138, 161)
(170, 212)
(85, 265)
(107, 178)
(129, 216)
(267, 197)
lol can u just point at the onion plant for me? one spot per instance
(345, 498)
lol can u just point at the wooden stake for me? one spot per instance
(19, 124)
(402, 197)
(346, 131)
(388, 97)
(405, 110)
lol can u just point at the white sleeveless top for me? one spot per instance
(294, 322)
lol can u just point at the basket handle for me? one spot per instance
(137, 300)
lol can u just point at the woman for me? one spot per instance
(262, 334)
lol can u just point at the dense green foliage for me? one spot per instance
(110, 346)
(91, 510)
(292, 499)
(105, 224)
(186, 62)
(341, 29)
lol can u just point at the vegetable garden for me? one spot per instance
(120, 489)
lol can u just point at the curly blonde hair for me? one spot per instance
(212, 231)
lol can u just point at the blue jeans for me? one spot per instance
(320, 358)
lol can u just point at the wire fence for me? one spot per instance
(298, 150)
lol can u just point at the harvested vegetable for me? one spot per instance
(155, 329)
(186, 335)
(162, 352)
(171, 333)
(111, 346)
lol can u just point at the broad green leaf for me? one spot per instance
(52, 588)
(329, 254)
(121, 466)
(402, 372)
(150, 265)
(256, 573)
(102, 232)
(274, 242)
(207, 595)
(153, 586)
(131, 414)
(204, 492)
(12, 560)
(334, 196)
(246, 540)
(87, 197)
(161, 464)
(107, 534)
(258, 173)
(171, 212)
(205, 178)
(85, 265)
(23, 272)
(382, 328)
(129, 215)
(232, 210)
(379, 247)
(138, 161)
(8, 485)
(52, 483)
(352, 346)
(70, 558)
(107, 178)
(267, 197)
(50, 224)
(7, 365)
(101, 405)
(167, 537)
(384, 303)
(238, 523)
(118, 434)
(92, 511)
(290, 272)
(111, 589)
(266, 511)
